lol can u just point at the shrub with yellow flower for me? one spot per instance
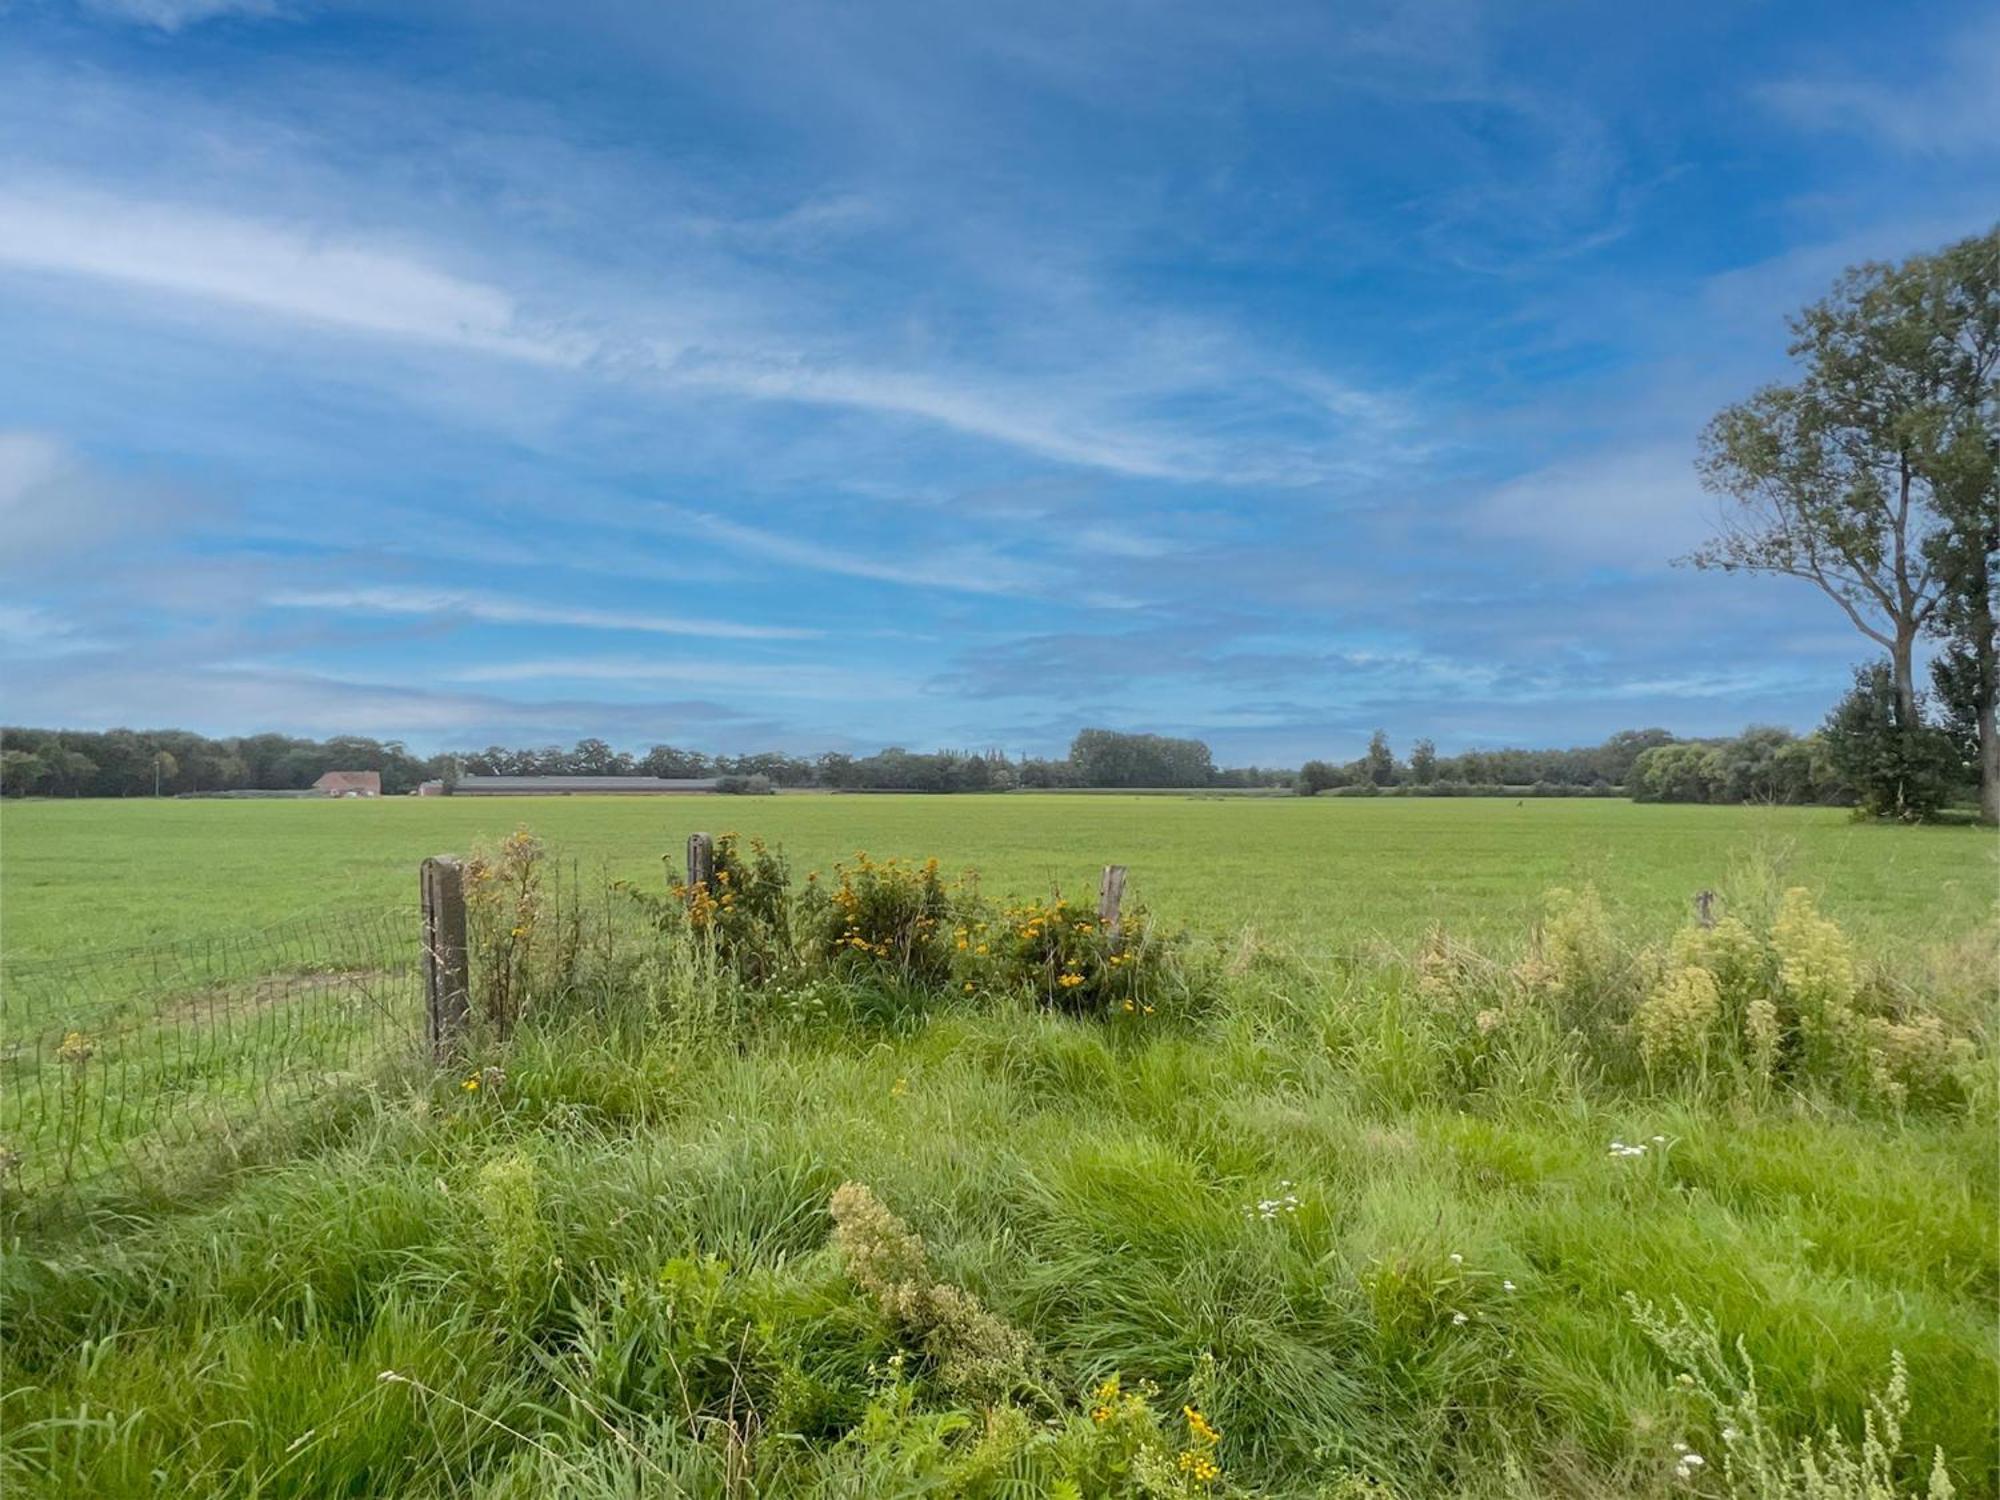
(890, 917)
(1068, 959)
(745, 911)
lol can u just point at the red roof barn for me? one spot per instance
(349, 784)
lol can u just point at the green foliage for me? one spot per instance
(1378, 765)
(745, 913)
(508, 1193)
(1069, 960)
(522, 940)
(885, 918)
(1763, 764)
(1957, 691)
(1423, 762)
(1317, 776)
(1104, 757)
(1869, 473)
(1899, 767)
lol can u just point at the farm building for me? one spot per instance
(582, 786)
(349, 784)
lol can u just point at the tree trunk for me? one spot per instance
(1902, 658)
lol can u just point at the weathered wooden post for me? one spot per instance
(447, 974)
(1704, 908)
(701, 862)
(1110, 892)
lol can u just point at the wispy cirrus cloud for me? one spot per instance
(173, 15)
(1121, 411)
(967, 569)
(1948, 105)
(266, 268)
(215, 699)
(494, 609)
(55, 505)
(778, 679)
(1636, 505)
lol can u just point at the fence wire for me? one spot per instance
(147, 1059)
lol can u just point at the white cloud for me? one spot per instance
(736, 333)
(1114, 541)
(780, 680)
(974, 570)
(54, 505)
(979, 406)
(234, 700)
(28, 460)
(1636, 507)
(40, 632)
(494, 609)
(172, 15)
(279, 270)
(1953, 110)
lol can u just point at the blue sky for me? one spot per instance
(802, 376)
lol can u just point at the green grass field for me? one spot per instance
(1320, 873)
(1378, 1218)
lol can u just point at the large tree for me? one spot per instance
(1965, 279)
(1854, 476)
(1104, 757)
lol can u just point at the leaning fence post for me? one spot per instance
(447, 977)
(701, 861)
(1110, 891)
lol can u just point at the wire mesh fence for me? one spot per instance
(146, 1059)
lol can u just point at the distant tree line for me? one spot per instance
(170, 762)
(1603, 769)
(1837, 764)
(1762, 764)
(175, 762)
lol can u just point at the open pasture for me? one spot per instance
(1319, 874)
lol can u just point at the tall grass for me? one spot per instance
(1376, 1244)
